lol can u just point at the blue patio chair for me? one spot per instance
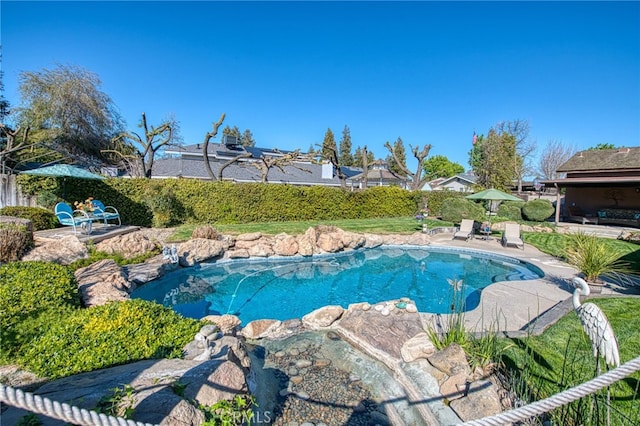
(74, 218)
(105, 212)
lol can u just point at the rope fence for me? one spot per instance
(60, 411)
(79, 416)
(560, 399)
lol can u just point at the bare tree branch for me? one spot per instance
(554, 154)
(418, 180)
(205, 147)
(230, 162)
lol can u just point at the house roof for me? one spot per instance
(293, 174)
(220, 150)
(468, 177)
(379, 174)
(603, 160)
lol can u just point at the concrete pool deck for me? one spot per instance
(516, 308)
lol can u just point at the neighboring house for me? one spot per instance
(600, 183)
(187, 162)
(379, 175)
(460, 183)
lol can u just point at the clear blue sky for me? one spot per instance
(429, 72)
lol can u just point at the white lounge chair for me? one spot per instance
(511, 235)
(466, 229)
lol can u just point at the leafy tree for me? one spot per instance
(492, 160)
(145, 148)
(440, 166)
(346, 159)
(524, 147)
(398, 161)
(65, 108)
(417, 180)
(602, 146)
(554, 155)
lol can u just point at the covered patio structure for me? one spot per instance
(600, 187)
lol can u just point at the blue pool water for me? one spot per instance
(290, 288)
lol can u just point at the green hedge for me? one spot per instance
(168, 202)
(40, 218)
(117, 333)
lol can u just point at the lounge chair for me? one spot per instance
(105, 212)
(74, 218)
(511, 235)
(466, 229)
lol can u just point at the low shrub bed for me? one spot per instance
(45, 330)
(40, 218)
(117, 333)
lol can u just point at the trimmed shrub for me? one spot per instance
(165, 206)
(104, 336)
(538, 210)
(27, 288)
(456, 209)
(39, 217)
(511, 210)
(207, 231)
(433, 199)
(15, 241)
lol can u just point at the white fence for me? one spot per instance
(10, 194)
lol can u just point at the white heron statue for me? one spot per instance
(596, 325)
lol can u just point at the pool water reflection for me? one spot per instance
(286, 288)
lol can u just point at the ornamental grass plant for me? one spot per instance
(593, 258)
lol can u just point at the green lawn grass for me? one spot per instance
(562, 357)
(393, 225)
(555, 245)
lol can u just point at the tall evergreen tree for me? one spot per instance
(247, 138)
(328, 145)
(346, 159)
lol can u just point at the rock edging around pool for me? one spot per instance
(105, 281)
(439, 385)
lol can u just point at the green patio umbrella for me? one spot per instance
(492, 195)
(63, 170)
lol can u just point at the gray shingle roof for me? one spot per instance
(298, 174)
(603, 160)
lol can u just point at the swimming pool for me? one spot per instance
(286, 288)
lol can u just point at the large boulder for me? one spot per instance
(323, 317)
(128, 245)
(482, 400)
(307, 243)
(198, 250)
(64, 251)
(285, 245)
(102, 282)
(259, 329)
(419, 346)
(150, 270)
